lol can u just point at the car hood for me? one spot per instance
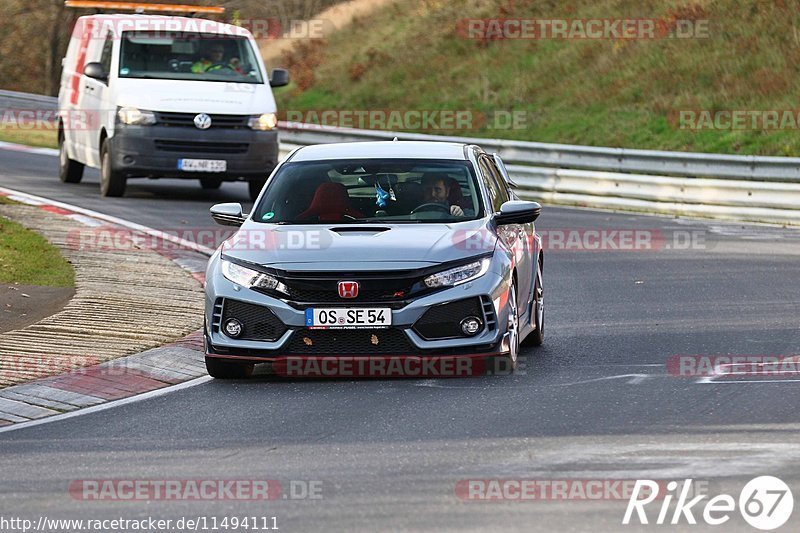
(358, 246)
(181, 96)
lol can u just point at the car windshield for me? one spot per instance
(190, 56)
(351, 191)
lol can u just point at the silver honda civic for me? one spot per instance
(400, 258)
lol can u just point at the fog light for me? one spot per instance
(471, 325)
(233, 328)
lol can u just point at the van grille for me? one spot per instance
(186, 120)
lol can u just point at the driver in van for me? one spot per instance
(435, 190)
(214, 59)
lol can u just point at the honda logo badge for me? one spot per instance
(202, 121)
(348, 289)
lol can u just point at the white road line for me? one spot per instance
(635, 379)
(28, 149)
(108, 405)
(38, 200)
(712, 381)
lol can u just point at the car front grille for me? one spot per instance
(311, 288)
(196, 147)
(350, 342)
(186, 120)
(259, 323)
(444, 321)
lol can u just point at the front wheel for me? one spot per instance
(536, 337)
(220, 369)
(112, 182)
(69, 170)
(254, 188)
(507, 363)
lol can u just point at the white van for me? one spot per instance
(161, 96)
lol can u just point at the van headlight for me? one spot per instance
(252, 279)
(265, 122)
(136, 117)
(458, 275)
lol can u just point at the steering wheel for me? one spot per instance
(432, 206)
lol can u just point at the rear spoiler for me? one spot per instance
(138, 7)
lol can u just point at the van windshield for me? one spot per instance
(190, 56)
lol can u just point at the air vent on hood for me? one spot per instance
(361, 230)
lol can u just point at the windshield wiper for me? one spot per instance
(393, 221)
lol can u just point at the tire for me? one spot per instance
(69, 171)
(254, 188)
(507, 364)
(210, 182)
(536, 337)
(220, 369)
(112, 182)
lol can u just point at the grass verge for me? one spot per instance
(411, 55)
(38, 138)
(28, 259)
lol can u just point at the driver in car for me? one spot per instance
(436, 191)
(215, 60)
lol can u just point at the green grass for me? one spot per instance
(38, 138)
(28, 259)
(409, 56)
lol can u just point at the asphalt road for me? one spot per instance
(597, 402)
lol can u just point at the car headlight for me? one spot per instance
(250, 278)
(265, 122)
(136, 117)
(458, 275)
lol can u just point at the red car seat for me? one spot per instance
(330, 204)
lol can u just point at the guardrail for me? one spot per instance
(747, 188)
(687, 164)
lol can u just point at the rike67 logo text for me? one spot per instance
(765, 503)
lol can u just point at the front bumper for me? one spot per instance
(401, 341)
(154, 151)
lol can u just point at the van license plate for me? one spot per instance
(202, 165)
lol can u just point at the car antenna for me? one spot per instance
(395, 139)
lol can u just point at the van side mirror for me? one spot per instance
(228, 214)
(95, 71)
(517, 212)
(279, 77)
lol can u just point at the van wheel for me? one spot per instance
(112, 182)
(210, 182)
(227, 370)
(254, 188)
(69, 171)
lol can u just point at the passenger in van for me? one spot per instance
(214, 59)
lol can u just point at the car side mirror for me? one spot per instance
(95, 71)
(517, 212)
(279, 77)
(228, 214)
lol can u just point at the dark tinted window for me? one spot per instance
(497, 194)
(108, 48)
